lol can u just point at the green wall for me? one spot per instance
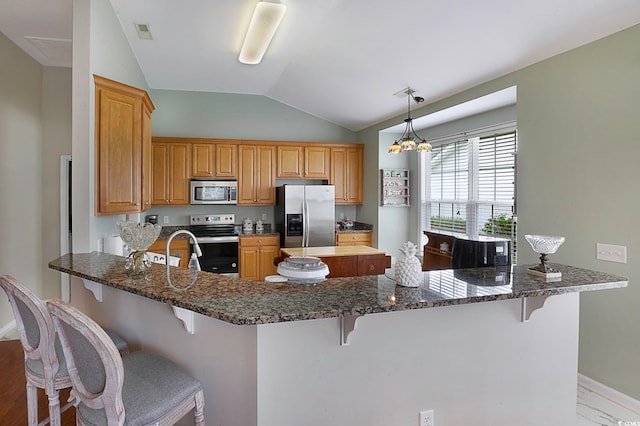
(232, 116)
(577, 167)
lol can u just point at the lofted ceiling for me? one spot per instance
(340, 60)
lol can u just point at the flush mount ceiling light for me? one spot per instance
(264, 23)
(407, 141)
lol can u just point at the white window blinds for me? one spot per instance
(469, 186)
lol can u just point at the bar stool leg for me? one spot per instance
(54, 409)
(32, 404)
(198, 412)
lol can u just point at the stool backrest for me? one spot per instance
(94, 363)
(35, 327)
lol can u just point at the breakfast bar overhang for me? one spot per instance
(478, 346)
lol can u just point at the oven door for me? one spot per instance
(220, 257)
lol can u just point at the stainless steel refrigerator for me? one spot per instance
(305, 215)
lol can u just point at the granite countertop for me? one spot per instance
(247, 302)
(357, 227)
(259, 234)
(166, 232)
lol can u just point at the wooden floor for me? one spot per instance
(13, 394)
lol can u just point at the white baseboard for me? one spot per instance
(8, 328)
(611, 394)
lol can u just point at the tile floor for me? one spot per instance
(594, 409)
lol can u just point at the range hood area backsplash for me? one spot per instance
(179, 216)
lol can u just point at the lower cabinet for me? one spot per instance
(180, 247)
(354, 266)
(353, 239)
(342, 266)
(256, 256)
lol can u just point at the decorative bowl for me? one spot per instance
(544, 243)
(138, 236)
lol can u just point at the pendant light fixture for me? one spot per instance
(407, 141)
(264, 23)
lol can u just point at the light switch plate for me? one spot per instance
(611, 253)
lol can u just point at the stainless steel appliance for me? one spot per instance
(305, 215)
(217, 237)
(214, 192)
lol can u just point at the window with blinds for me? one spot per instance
(469, 186)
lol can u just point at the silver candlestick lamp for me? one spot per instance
(545, 245)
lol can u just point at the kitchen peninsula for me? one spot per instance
(358, 350)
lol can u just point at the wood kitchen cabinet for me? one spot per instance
(437, 251)
(353, 239)
(346, 174)
(356, 266)
(122, 138)
(180, 247)
(171, 173)
(257, 254)
(214, 160)
(303, 162)
(317, 162)
(256, 175)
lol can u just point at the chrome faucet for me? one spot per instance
(198, 253)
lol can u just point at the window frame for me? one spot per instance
(471, 201)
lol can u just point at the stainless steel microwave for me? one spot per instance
(214, 192)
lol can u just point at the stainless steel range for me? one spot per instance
(218, 240)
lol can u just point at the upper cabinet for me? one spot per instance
(256, 174)
(290, 162)
(123, 147)
(171, 173)
(303, 162)
(317, 162)
(215, 160)
(346, 174)
(254, 164)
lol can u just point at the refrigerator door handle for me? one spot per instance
(305, 225)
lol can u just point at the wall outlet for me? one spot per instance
(611, 253)
(165, 219)
(264, 216)
(426, 418)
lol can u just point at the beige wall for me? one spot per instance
(35, 128)
(56, 141)
(577, 171)
(20, 169)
